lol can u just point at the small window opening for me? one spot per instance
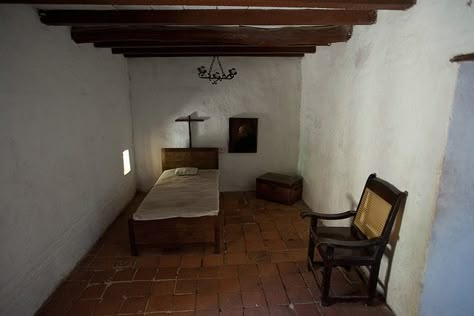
(126, 162)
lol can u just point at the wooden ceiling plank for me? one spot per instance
(249, 36)
(142, 44)
(463, 58)
(339, 4)
(116, 44)
(207, 17)
(216, 50)
(211, 55)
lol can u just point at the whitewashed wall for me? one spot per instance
(448, 282)
(381, 103)
(163, 89)
(64, 122)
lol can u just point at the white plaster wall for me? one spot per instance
(381, 103)
(65, 120)
(163, 89)
(449, 277)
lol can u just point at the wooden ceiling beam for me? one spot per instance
(289, 36)
(216, 50)
(116, 44)
(207, 17)
(211, 55)
(339, 4)
(462, 58)
(137, 44)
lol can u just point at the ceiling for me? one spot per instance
(176, 28)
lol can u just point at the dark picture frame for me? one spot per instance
(243, 135)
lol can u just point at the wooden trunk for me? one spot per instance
(279, 188)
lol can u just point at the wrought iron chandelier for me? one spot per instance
(216, 75)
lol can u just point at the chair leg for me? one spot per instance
(311, 246)
(131, 234)
(372, 286)
(326, 285)
(218, 235)
(311, 243)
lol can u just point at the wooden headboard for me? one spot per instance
(202, 158)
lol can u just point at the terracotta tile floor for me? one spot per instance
(262, 271)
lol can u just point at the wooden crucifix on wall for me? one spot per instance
(190, 119)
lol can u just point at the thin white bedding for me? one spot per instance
(181, 196)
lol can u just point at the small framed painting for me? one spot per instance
(243, 135)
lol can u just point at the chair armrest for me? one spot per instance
(334, 243)
(347, 214)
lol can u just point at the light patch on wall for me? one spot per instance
(126, 162)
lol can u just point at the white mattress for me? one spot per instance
(181, 196)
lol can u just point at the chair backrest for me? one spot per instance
(378, 208)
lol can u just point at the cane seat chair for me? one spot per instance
(361, 244)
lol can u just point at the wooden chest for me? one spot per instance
(279, 188)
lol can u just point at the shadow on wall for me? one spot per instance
(158, 129)
(391, 248)
(196, 131)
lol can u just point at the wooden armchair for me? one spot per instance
(361, 244)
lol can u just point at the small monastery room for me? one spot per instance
(236, 157)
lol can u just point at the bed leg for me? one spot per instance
(219, 234)
(131, 234)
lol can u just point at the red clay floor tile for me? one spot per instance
(299, 295)
(161, 303)
(228, 271)
(93, 291)
(123, 275)
(183, 302)
(207, 302)
(230, 300)
(145, 274)
(163, 287)
(256, 311)
(307, 310)
(147, 262)
(262, 272)
(188, 273)
(229, 285)
(166, 274)
(207, 286)
(253, 299)
(276, 296)
(250, 283)
(267, 269)
(207, 313)
(185, 287)
(208, 272)
(134, 305)
(191, 261)
(139, 288)
(232, 312)
(248, 270)
(213, 260)
(109, 306)
(287, 267)
(281, 311)
(84, 307)
(236, 258)
(293, 280)
(169, 261)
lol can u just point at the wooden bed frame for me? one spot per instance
(173, 232)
